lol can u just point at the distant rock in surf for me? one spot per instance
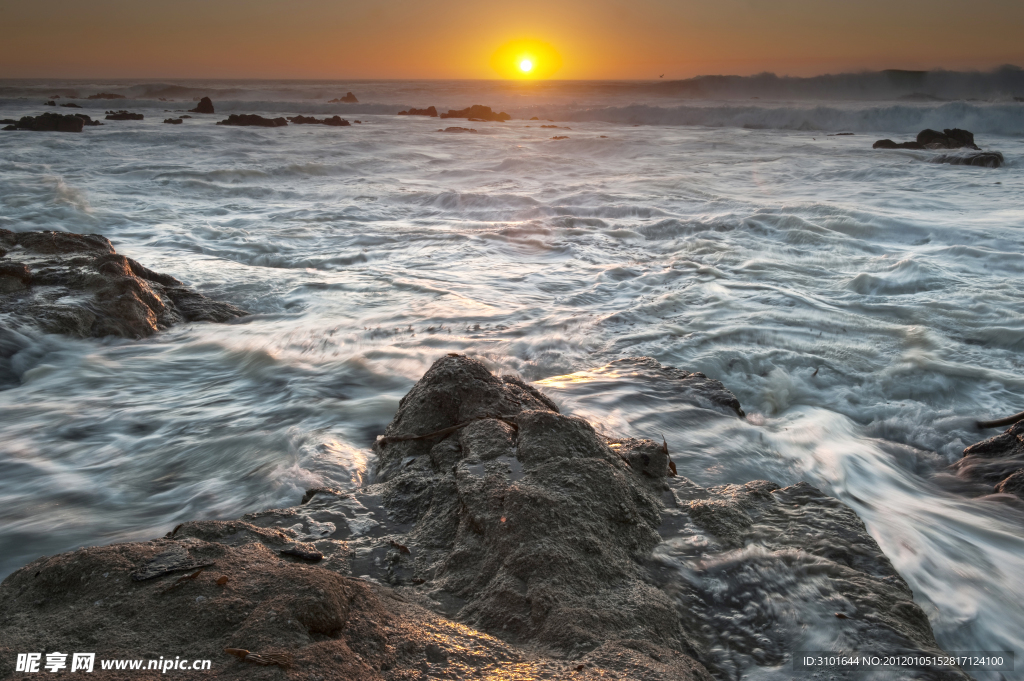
(76, 284)
(429, 111)
(50, 122)
(456, 128)
(173, 121)
(336, 121)
(50, 103)
(950, 138)
(349, 98)
(124, 116)
(205, 106)
(255, 120)
(71, 105)
(479, 112)
(983, 159)
(88, 120)
(106, 95)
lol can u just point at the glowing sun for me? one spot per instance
(526, 60)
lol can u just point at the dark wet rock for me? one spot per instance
(478, 112)
(49, 102)
(456, 128)
(76, 284)
(889, 144)
(336, 121)
(173, 121)
(954, 138)
(124, 116)
(255, 120)
(174, 559)
(997, 461)
(205, 106)
(349, 98)
(71, 105)
(50, 122)
(429, 111)
(106, 95)
(87, 120)
(983, 159)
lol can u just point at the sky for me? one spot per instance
(594, 39)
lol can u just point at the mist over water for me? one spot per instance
(865, 306)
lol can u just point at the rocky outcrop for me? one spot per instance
(76, 284)
(477, 112)
(254, 119)
(997, 461)
(50, 122)
(954, 138)
(124, 116)
(88, 120)
(336, 121)
(429, 111)
(106, 95)
(349, 98)
(205, 106)
(586, 555)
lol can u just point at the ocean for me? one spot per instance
(865, 306)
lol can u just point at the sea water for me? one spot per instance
(865, 306)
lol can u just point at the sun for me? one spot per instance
(526, 59)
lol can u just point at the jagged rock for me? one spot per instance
(479, 112)
(106, 95)
(997, 461)
(349, 98)
(78, 285)
(984, 159)
(205, 106)
(50, 122)
(429, 111)
(253, 119)
(124, 116)
(336, 121)
(509, 517)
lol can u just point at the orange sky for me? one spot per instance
(614, 39)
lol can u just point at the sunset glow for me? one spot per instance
(526, 60)
(526, 65)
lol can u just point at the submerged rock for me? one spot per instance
(456, 128)
(997, 461)
(205, 106)
(478, 112)
(429, 111)
(254, 119)
(124, 116)
(50, 122)
(78, 285)
(984, 159)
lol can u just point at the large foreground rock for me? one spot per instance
(557, 550)
(78, 285)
